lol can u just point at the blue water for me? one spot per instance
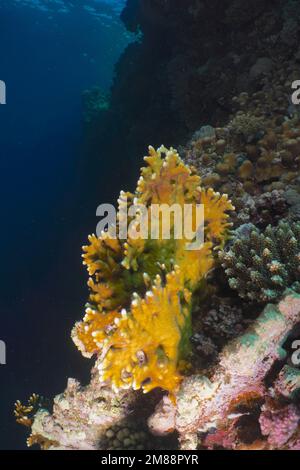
(50, 52)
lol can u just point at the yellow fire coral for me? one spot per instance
(148, 337)
(138, 318)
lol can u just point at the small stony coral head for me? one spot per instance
(260, 265)
(138, 317)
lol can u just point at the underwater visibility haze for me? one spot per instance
(129, 334)
(50, 53)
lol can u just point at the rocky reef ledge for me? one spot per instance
(247, 403)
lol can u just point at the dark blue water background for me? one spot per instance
(47, 58)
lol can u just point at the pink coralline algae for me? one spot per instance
(279, 425)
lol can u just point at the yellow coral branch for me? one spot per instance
(138, 315)
(144, 350)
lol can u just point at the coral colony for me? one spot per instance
(196, 349)
(139, 311)
(261, 265)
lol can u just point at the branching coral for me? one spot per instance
(261, 265)
(147, 344)
(138, 318)
(24, 413)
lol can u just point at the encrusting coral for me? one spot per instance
(138, 318)
(261, 265)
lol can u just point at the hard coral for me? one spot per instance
(261, 265)
(148, 343)
(138, 318)
(24, 413)
(126, 436)
(246, 126)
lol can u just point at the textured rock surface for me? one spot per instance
(207, 407)
(80, 417)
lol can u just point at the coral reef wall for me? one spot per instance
(216, 78)
(188, 61)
